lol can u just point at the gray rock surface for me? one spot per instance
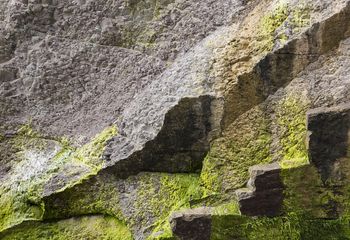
(203, 86)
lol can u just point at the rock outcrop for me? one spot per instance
(264, 193)
(130, 119)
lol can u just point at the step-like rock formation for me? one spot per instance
(264, 193)
(145, 119)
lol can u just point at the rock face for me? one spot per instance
(329, 139)
(264, 196)
(130, 119)
(192, 224)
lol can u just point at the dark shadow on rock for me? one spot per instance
(179, 147)
(192, 224)
(264, 193)
(328, 141)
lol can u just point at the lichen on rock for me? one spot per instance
(200, 112)
(40, 160)
(92, 227)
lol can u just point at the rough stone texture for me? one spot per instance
(180, 145)
(192, 225)
(328, 140)
(163, 85)
(264, 195)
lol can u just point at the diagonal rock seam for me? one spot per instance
(278, 68)
(269, 81)
(270, 61)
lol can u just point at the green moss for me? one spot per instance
(91, 152)
(306, 194)
(21, 191)
(210, 176)
(290, 227)
(15, 205)
(97, 195)
(230, 208)
(274, 25)
(304, 191)
(92, 227)
(291, 118)
(245, 143)
(156, 196)
(16, 208)
(159, 195)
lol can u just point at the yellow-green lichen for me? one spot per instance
(272, 21)
(91, 152)
(91, 227)
(245, 143)
(301, 16)
(38, 160)
(291, 118)
(229, 208)
(159, 195)
(27, 138)
(269, 24)
(284, 21)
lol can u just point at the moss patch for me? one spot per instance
(291, 227)
(150, 199)
(245, 143)
(291, 118)
(97, 195)
(38, 160)
(160, 195)
(92, 227)
(304, 191)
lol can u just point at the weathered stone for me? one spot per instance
(181, 144)
(329, 137)
(264, 195)
(176, 79)
(194, 224)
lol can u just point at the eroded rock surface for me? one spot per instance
(264, 193)
(132, 112)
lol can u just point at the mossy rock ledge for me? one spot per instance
(172, 119)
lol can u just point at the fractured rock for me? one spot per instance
(264, 194)
(192, 224)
